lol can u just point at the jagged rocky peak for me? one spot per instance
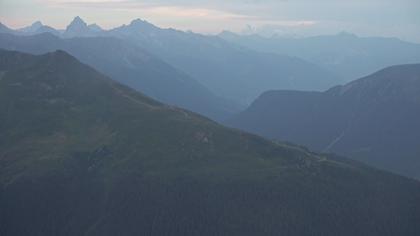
(32, 28)
(37, 24)
(77, 23)
(79, 28)
(95, 27)
(139, 23)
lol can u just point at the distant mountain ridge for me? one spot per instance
(375, 119)
(226, 69)
(130, 65)
(32, 28)
(229, 71)
(345, 54)
(83, 155)
(5, 29)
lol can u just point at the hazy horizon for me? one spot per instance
(286, 18)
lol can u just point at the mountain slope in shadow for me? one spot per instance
(83, 155)
(375, 119)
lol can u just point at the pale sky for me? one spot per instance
(392, 18)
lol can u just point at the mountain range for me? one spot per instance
(36, 28)
(375, 119)
(346, 55)
(81, 154)
(222, 66)
(209, 60)
(261, 63)
(132, 66)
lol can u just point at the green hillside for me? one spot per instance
(83, 155)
